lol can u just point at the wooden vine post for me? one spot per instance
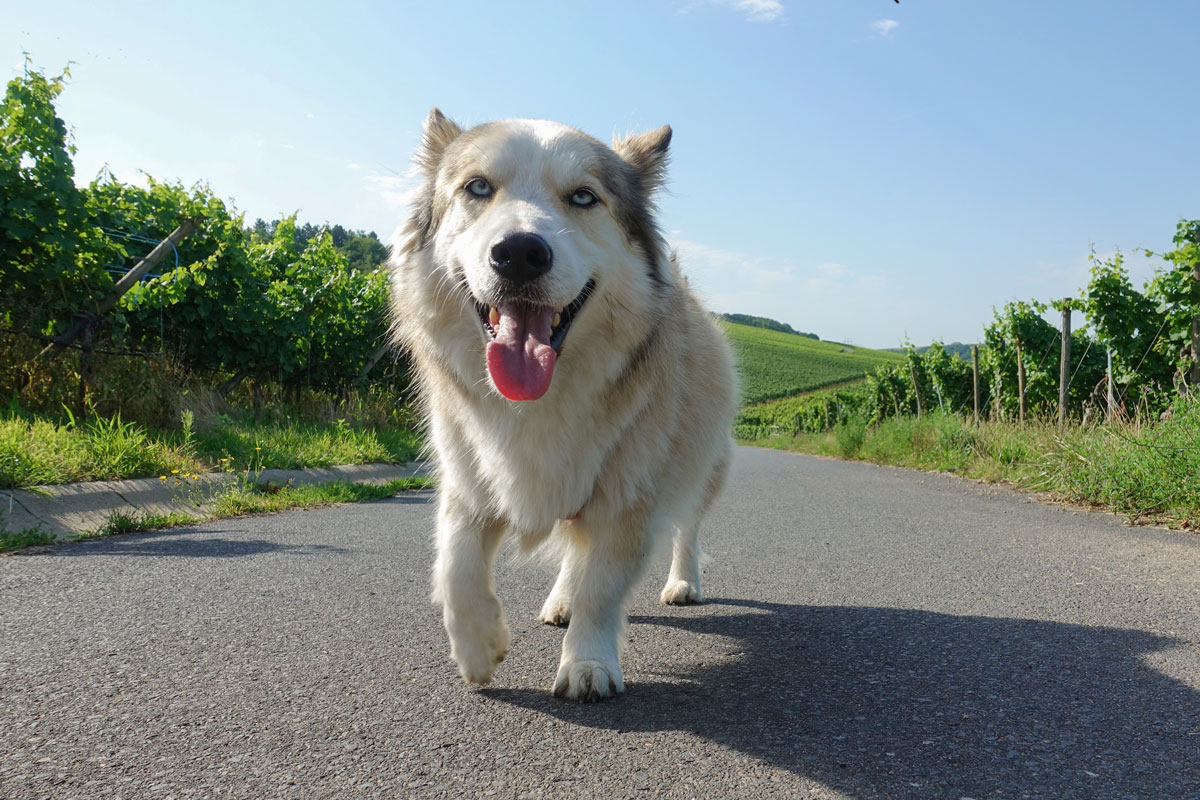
(1064, 367)
(1020, 382)
(916, 388)
(1195, 376)
(85, 322)
(975, 378)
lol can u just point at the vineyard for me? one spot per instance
(808, 412)
(774, 364)
(277, 307)
(1133, 360)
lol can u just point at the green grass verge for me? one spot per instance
(35, 451)
(240, 499)
(270, 498)
(1148, 473)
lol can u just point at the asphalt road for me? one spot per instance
(871, 633)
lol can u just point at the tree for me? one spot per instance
(1128, 323)
(364, 251)
(1177, 291)
(43, 226)
(1020, 323)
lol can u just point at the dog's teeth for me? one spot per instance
(557, 319)
(494, 316)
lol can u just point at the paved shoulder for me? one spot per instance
(872, 633)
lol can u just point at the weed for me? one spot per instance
(850, 435)
(311, 495)
(29, 537)
(121, 522)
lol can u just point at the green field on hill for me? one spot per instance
(805, 412)
(774, 365)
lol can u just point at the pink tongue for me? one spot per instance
(520, 359)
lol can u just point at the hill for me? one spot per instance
(774, 364)
(959, 349)
(766, 322)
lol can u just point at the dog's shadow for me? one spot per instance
(881, 702)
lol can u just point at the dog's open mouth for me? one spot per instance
(524, 341)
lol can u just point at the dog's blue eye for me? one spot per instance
(584, 198)
(479, 187)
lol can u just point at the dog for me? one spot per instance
(576, 394)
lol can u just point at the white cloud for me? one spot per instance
(396, 191)
(812, 298)
(885, 28)
(713, 266)
(755, 10)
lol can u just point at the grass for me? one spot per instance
(296, 444)
(270, 498)
(36, 450)
(1148, 473)
(30, 537)
(775, 365)
(122, 522)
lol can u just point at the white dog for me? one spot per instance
(574, 388)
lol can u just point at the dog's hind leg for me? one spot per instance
(462, 583)
(557, 608)
(683, 582)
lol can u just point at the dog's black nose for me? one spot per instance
(521, 257)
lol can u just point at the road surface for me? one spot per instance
(870, 633)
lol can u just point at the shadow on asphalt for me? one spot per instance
(420, 498)
(175, 545)
(879, 702)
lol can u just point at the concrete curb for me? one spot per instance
(70, 508)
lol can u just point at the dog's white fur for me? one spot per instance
(631, 440)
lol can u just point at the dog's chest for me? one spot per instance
(534, 469)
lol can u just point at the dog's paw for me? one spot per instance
(478, 656)
(588, 681)
(555, 611)
(679, 593)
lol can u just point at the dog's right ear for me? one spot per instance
(438, 132)
(647, 152)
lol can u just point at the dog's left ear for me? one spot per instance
(438, 131)
(647, 152)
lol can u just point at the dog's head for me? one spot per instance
(528, 226)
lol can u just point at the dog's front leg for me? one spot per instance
(462, 583)
(604, 567)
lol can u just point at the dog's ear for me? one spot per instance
(647, 152)
(438, 132)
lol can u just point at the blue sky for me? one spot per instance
(860, 169)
